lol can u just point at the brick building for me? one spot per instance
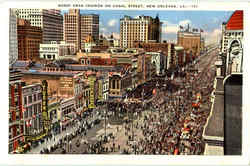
(16, 127)
(190, 41)
(29, 40)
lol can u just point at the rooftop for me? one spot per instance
(235, 22)
(216, 117)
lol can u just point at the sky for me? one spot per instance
(209, 21)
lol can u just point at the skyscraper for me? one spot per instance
(50, 20)
(71, 27)
(89, 26)
(13, 46)
(77, 27)
(143, 28)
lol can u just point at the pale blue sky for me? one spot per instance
(209, 21)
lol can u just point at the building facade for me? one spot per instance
(190, 41)
(77, 27)
(71, 27)
(54, 50)
(158, 60)
(89, 26)
(29, 40)
(32, 106)
(49, 20)
(233, 43)
(144, 29)
(13, 42)
(16, 128)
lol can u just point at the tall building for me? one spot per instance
(71, 27)
(143, 28)
(190, 41)
(77, 27)
(13, 47)
(233, 43)
(29, 40)
(16, 128)
(89, 26)
(226, 98)
(50, 20)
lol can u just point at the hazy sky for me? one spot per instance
(209, 21)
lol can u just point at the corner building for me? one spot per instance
(143, 28)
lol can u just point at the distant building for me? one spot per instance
(89, 26)
(158, 60)
(77, 27)
(166, 48)
(55, 50)
(29, 40)
(13, 42)
(49, 20)
(143, 28)
(190, 41)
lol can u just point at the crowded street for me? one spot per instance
(163, 116)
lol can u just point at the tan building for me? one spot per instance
(143, 28)
(71, 27)
(89, 26)
(49, 20)
(29, 40)
(77, 27)
(190, 41)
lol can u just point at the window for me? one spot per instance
(25, 100)
(113, 84)
(39, 96)
(35, 97)
(29, 99)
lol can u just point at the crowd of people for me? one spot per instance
(165, 116)
(176, 123)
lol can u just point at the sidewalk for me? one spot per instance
(54, 140)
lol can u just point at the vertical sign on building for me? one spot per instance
(100, 97)
(92, 96)
(45, 104)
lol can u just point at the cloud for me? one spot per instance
(112, 22)
(168, 27)
(213, 36)
(185, 23)
(116, 35)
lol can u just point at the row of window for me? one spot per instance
(33, 110)
(32, 98)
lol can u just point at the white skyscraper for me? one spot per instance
(13, 47)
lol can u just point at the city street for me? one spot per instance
(162, 123)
